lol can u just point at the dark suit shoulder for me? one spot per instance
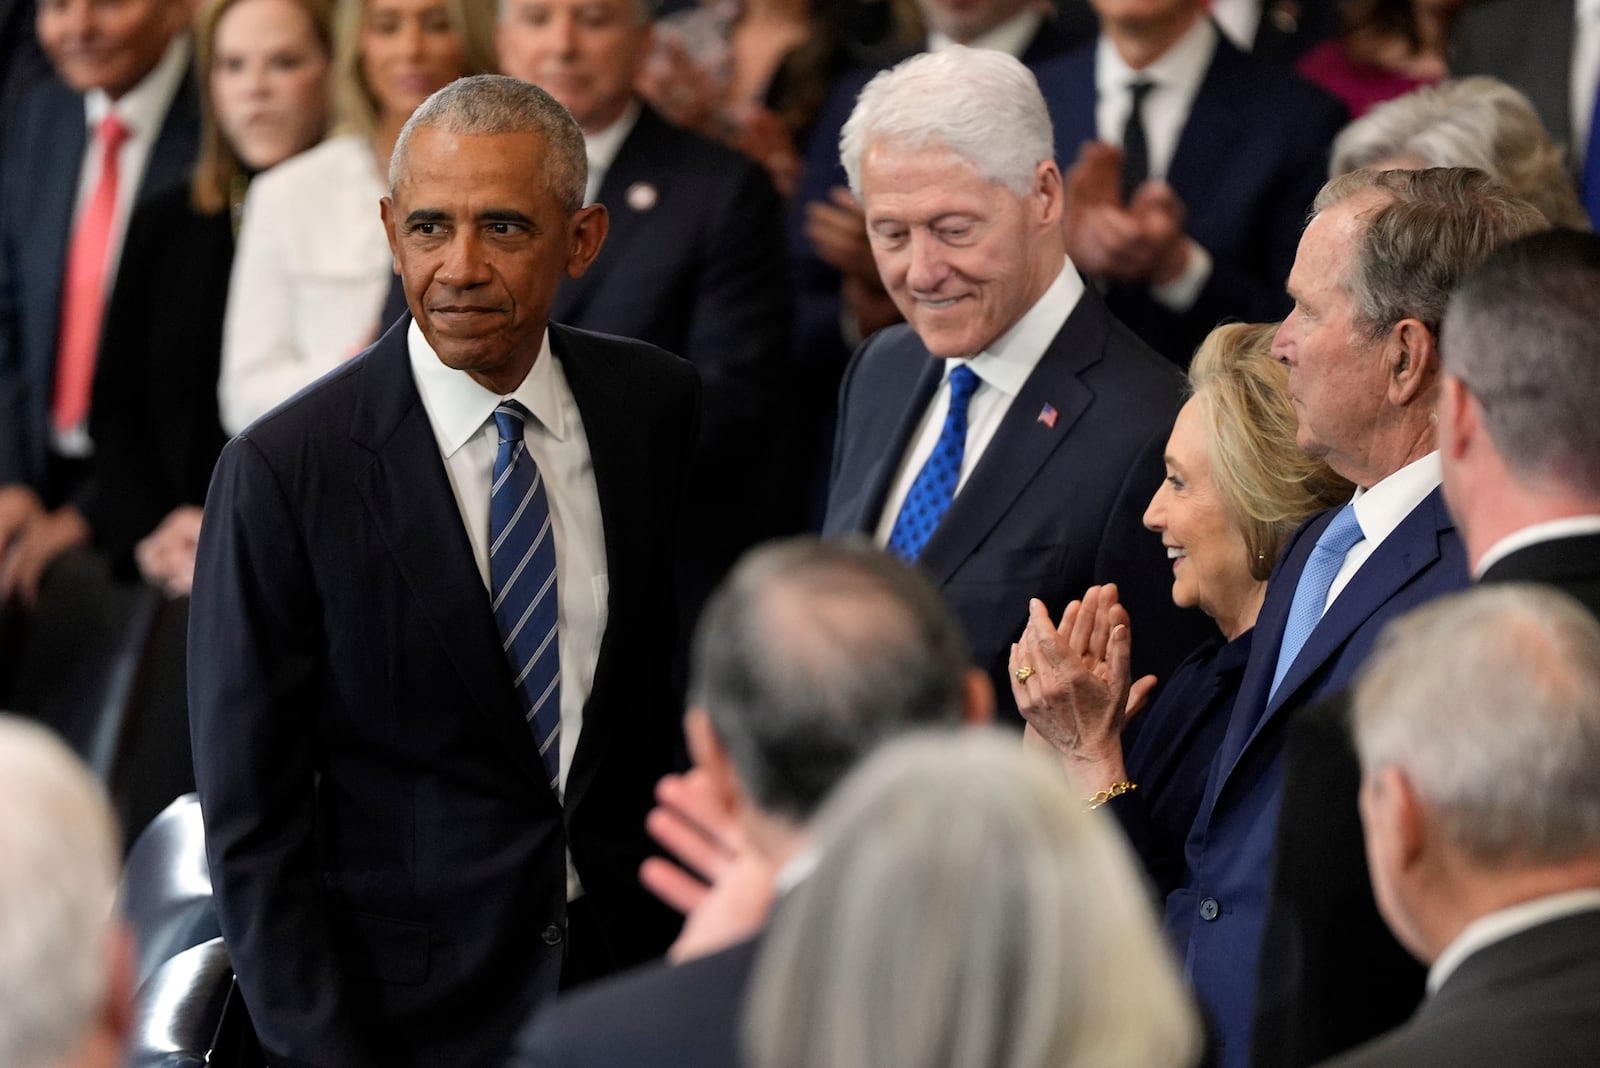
(659, 1014)
(621, 357)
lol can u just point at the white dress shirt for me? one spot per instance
(1239, 19)
(311, 271)
(1002, 368)
(1382, 508)
(1498, 926)
(601, 149)
(143, 110)
(1175, 79)
(1585, 73)
(1571, 527)
(461, 413)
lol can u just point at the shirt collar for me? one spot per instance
(602, 147)
(1569, 527)
(144, 107)
(1498, 926)
(1380, 509)
(1179, 69)
(1011, 37)
(1008, 361)
(458, 406)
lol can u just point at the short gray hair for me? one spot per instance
(1472, 122)
(981, 104)
(810, 654)
(489, 104)
(1432, 227)
(58, 875)
(965, 910)
(1523, 335)
(1489, 702)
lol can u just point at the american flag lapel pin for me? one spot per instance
(1047, 415)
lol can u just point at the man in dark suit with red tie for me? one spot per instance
(429, 650)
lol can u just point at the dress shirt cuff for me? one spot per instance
(1180, 294)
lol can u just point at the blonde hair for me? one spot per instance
(355, 106)
(965, 910)
(1267, 486)
(218, 169)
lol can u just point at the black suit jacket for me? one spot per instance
(694, 263)
(387, 854)
(1050, 509)
(38, 187)
(1251, 156)
(1528, 1000)
(1332, 975)
(660, 1016)
(1289, 28)
(1528, 44)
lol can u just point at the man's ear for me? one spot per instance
(1049, 192)
(709, 756)
(1397, 805)
(1459, 413)
(587, 228)
(977, 701)
(1413, 355)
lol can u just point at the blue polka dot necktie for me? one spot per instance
(522, 578)
(1311, 595)
(935, 485)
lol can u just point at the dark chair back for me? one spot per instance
(166, 887)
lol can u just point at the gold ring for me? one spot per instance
(1024, 673)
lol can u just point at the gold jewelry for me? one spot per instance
(1116, 789)
(1024, 673)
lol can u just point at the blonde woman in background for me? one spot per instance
(313, 266)
(964, 912)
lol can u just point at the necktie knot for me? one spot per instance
(1342, 533)
(511, 419)
(963, 383)
(112, 132)
(1138, 90)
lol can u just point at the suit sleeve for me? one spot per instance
(256, 667)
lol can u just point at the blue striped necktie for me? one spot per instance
(1311, 594)
(935, 485)
(522, 578)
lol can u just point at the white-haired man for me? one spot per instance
(1478, 727)
(66, 962)
(1007, 436)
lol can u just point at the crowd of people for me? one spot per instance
(779, 534)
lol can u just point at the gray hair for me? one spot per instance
(981, 104)
(1489, 702)
(810, 654)
(965, 910)
(489, 104)
(1524, 337)
(58, 874)
(1432, 227)
(1472, 122)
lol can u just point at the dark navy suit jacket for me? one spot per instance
(39, 168)
(1251, 157)
(1050, 509)
(387, 853)
(1216, 919)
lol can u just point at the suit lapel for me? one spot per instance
(1022, 442)
(1210, 134)
(429, 544)
(875, 487)
(636, 159)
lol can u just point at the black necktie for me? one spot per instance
(1135, 151)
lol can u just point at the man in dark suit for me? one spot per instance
(1478, 725)
(1517, 457)
(808, 657)
(1008, 437)
(1196, 163)
(1369, 284)
(123, 82)
(428, 657)
(693, 263)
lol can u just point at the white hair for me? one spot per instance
(965, 910)
(1489, 702)
(982, 105)
(58, 875)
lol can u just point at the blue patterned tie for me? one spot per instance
(1311, 595)
(935, 484)
(522, 576)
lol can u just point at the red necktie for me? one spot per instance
(83, 290)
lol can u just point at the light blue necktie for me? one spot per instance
(1311, 595)
(935, 485)
(522, 577)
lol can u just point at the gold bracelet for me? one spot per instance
(1116, 789)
